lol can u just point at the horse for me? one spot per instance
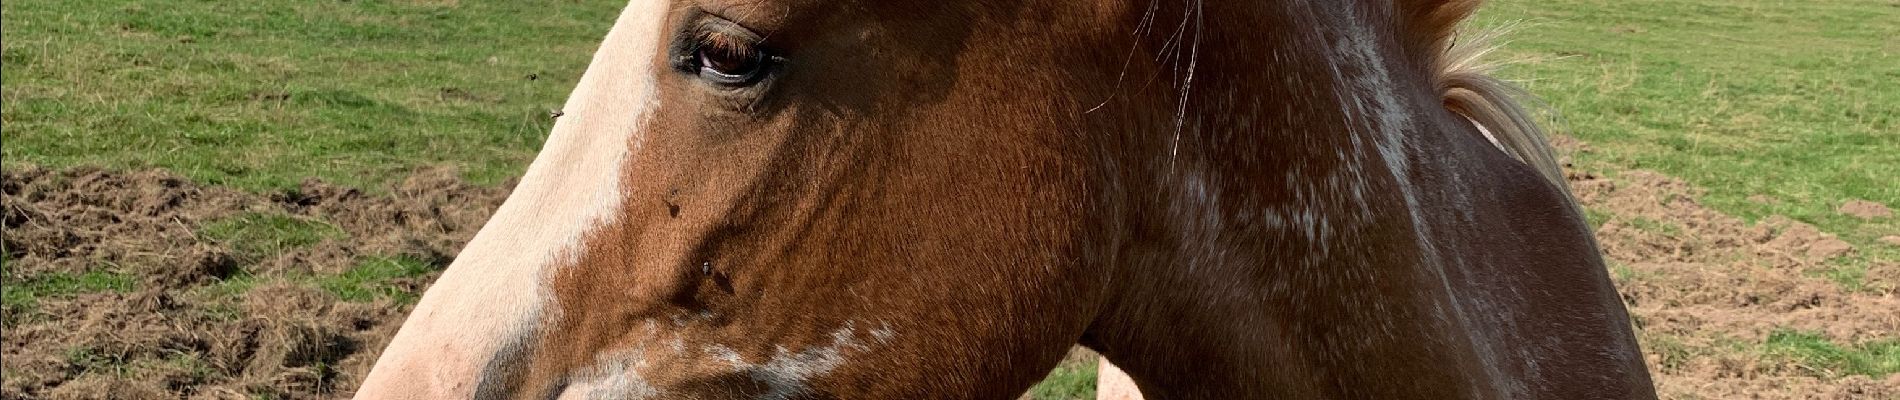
(847, 199)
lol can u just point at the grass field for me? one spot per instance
(1776, 108)
(260, 94)
(1793, 103)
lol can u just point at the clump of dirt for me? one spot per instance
(83, 219)
(427, 216)
(1703, 286)
(1865, 209)
(182, 330)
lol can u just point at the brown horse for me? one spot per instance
(899, 199)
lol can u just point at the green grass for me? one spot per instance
(261, 94)
(1654, 226)
(21, 296)
(372, 278)
(1671, 351)
(258, 235)
(1849, 272)
(1069, 381)
(1621, 271)
(1596, 217)
(229, 287)
(1795, 101)
(90, 359)
(1811, 351)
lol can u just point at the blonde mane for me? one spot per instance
(1464, 78)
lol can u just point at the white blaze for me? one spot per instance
(496, 292)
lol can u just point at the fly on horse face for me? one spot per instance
(891, 199)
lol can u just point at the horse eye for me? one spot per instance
(727, 62)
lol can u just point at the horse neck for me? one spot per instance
(1275, 226)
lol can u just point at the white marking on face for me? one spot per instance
(615, 377)
(621, 374)
(883, 333)
(786, 373)
(494, 295)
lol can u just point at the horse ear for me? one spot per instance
(1427, 25)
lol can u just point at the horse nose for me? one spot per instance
(444, 351)
(408, 379)
(446, 373)
(409, 373)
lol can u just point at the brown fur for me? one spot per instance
(1209, 194)
(1428, 26)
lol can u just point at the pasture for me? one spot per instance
(322, 160)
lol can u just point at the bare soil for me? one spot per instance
(1705, 288)
(1865, 209)
(174, 335)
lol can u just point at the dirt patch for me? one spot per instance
(180, 329)
(1865, 209)
(1706, 289)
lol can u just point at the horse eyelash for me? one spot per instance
(706, 38)
(714, 42)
